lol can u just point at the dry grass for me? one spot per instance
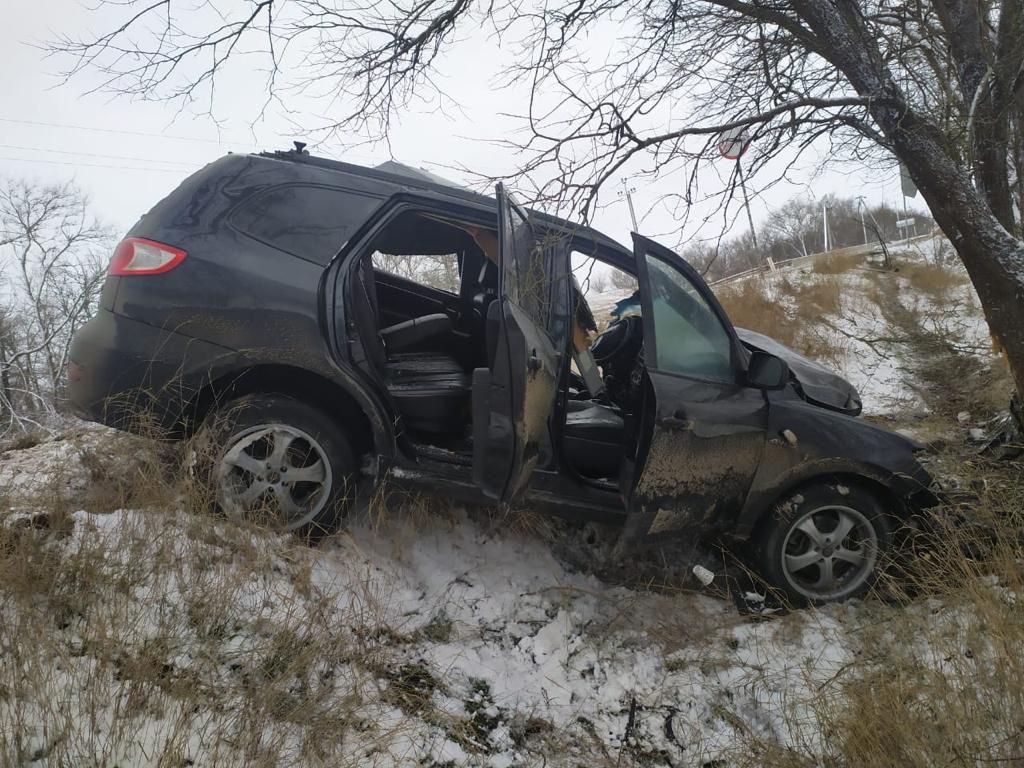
(749, 306)
(814, 299)
(933, 279)
(938, 678)
(837, 262)
(132, 635)
(162, 635)
(950, 372)
(793, 316)
(22, 442)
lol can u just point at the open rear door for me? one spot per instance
(514, 397)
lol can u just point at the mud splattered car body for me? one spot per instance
(260, 288)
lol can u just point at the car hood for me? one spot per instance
(816, 383)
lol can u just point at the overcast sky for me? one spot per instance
(126, 154)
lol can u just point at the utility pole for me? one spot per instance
(863, 226)
(628, 192)
(746, 202)
(824, 224)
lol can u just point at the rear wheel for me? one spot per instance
(824, 544)
(282, 463)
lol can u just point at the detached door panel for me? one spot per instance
(513, 398)
(704, 430)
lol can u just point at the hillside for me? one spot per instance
(909, 335)
(136, 629)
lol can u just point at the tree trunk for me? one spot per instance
(994, 258)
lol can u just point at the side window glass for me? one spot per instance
(307, 221)
(689, 338)
(436, 270)
(523, 268)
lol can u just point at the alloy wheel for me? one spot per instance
(274, 472)
(829, 552)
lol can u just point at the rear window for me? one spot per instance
(305, 220)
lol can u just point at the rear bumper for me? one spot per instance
(134, 376)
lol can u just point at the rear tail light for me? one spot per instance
(138, 256)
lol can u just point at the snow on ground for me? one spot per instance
(417, 637)
(427, 638)
(601, 303)
(64, 466)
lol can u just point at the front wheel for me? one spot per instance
(282, 463)
(823, 544)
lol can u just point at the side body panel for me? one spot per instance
(235, 303)
(705, 447)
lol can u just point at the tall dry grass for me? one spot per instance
(935, 280)
(837, 262)
(789, 311)
(938, 674)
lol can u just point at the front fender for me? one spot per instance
(805, 442)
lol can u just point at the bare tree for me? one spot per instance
(622, 281)
(435, 270)
(792, 224)
(53, 252)
(599, 282)
(938, 84)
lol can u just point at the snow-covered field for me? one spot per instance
(425, 637)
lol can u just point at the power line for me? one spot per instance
(93, 154)
(115, 131)
(180, 171)
(111, 130)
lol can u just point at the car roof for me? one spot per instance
(426, 182)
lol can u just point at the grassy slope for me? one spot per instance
(135, 629)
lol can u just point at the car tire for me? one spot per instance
(281, 463)
(824, 543)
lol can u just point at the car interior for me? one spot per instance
(424, 299)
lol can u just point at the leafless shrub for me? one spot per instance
(622, 280)
(52, 259)
(599, 282)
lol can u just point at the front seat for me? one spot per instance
(593, 438)
(430, 389)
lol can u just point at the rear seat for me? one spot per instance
(430, 390)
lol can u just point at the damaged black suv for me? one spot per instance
(262, 301)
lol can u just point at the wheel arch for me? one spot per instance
(361, 419)
(872, 480)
